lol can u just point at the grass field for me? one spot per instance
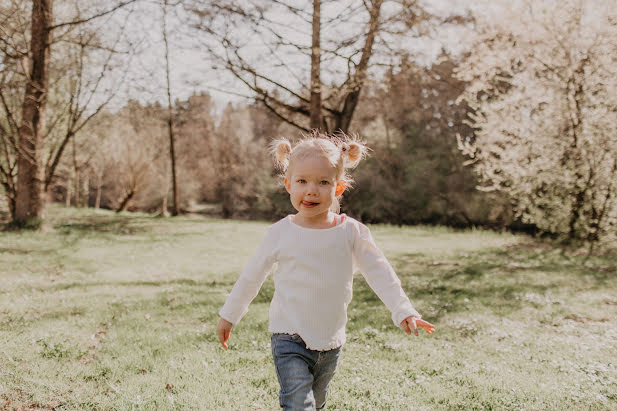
(119, 312)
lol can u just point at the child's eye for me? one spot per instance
(324, 182)
(301, 181)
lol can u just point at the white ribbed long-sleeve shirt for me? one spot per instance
(313, 280)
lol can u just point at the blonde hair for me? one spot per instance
(342, 152)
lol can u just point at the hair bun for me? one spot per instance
(281, 148)
(353, 153)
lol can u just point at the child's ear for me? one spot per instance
(340, 188)
(287, 185)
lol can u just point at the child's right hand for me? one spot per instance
(223, 331)
(413, 322)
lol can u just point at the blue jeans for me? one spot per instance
(304, 375)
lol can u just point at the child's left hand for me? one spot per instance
(416, 322)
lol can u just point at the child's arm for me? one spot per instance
(247, 286)
(382, 279)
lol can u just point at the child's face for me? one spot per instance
(312, 186)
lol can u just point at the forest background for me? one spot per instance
(501, 114)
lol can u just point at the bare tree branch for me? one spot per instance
(96, 16)
(282, 117)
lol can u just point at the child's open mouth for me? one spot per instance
(309, 204)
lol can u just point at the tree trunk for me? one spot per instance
(67, 198)
(52, 168)
(86, 198)
(165, 194)
(164, 212)
(174, 177)
(124, 204)
(30, 201)
(10, 198)
(76, 182)
(170, 121)
(316, 121)
(76, 188)
(351, 99)
(575, 95)
(97, 202)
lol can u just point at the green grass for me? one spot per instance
(119, 312)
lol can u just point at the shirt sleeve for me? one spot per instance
(380, 275)
(251, 279)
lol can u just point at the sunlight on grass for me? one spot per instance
(119, 312)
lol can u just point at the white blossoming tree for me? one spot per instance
(542, 83)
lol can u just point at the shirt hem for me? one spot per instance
(332, 346)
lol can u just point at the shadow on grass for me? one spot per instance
(548, 259)
(72, 231)
(117, 225)
(178, 281)
(185, 295)
(496, 279)
(5, 250)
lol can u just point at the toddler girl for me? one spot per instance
(317, 251)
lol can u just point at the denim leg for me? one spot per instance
(293, 364)
(324, 370)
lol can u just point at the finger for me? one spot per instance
(414, 325)
(222, 339)
(406, 327)
(428, 327)
(420, 321)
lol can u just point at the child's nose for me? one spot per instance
(312, 189)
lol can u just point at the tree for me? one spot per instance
(29, 204)
(410, 119)
(30, 199)
(13, 54)
(170, 121)
(79, 88)
(239, 163)
(269, 51)
(135, 154)
(195, 128)
(127, 155)
(81, 70)
(542, 83)
(315, 110)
